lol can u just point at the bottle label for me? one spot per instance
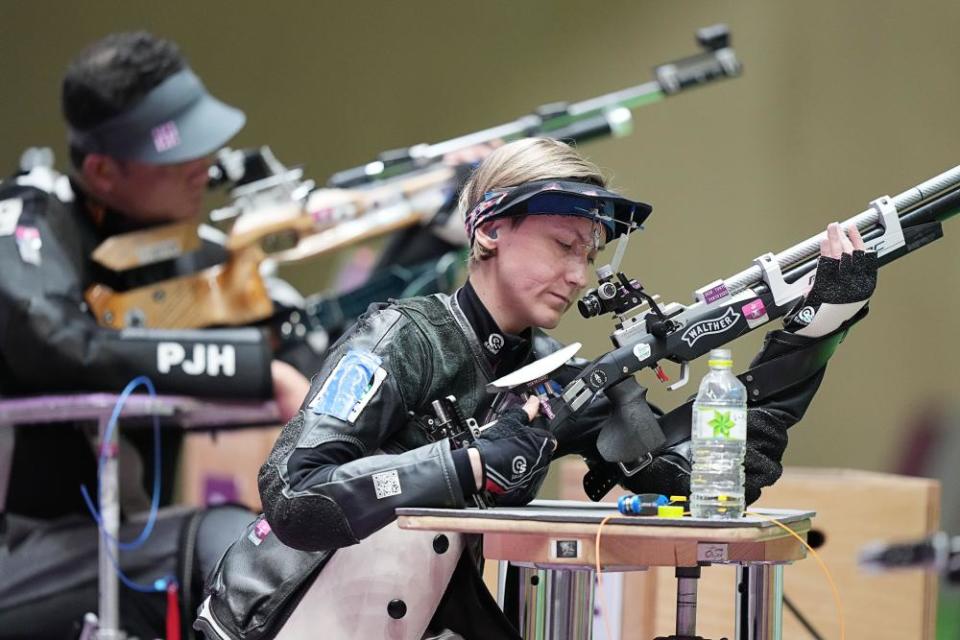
(721, 424)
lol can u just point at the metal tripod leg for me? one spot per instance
(109, 606)
(759, 602)
(687, 601)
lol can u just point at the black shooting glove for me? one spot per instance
(842, 287)
(515, 454)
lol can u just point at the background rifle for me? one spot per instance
(648, 333)
(273, 206)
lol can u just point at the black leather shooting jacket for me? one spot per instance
(426, 349)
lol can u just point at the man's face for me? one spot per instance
(153, 193)
(543, 265)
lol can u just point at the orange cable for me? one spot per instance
(823, 566)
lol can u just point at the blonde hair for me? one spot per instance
(523, 161)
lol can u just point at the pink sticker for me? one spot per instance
(755, 313)
(754, 310)
(165, 136)
(262, 528)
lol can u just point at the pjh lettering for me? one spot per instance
(209, 359)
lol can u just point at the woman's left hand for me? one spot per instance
(846, 278)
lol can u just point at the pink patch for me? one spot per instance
(261, 529)
(754, 310)
(166, 136)
(27, 233)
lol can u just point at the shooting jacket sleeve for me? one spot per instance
(49, 341)
(767, 423)
(329, 481)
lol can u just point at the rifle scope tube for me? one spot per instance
(865, 220)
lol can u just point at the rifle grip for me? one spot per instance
(632, 430)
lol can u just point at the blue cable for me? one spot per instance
(161, 583)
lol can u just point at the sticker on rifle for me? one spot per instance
(29, 244)
(350, 386)
(387, 484)
(710, 327)
(565, 549)
(598, 378)
(711, 552)
(10, 211)
(715, 293)
(755, 312)
(261, 529)
(641, 351)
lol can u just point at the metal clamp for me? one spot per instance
(643, 464)
(773, 276)
(892, 238)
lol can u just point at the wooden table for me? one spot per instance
(553, 544)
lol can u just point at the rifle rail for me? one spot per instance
(866, 220)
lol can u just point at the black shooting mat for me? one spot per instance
(594, 513)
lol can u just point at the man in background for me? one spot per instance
(142, 131)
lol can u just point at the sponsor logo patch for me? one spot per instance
(805, 316)
(710, 327)
(494, 343)
(165, 136)
(519, 466)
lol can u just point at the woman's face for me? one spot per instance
(541, 266)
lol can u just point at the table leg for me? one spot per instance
(109, 618)
(6, 462)
(759, 602)
(687, 601)
(556, 604)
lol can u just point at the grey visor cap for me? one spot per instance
(176, 121)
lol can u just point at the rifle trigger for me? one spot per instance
(661, 374)
(684, 377)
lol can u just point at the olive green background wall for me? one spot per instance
(840, 102)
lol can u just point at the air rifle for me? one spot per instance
(278, 217)
(608, 114)
(648, 333)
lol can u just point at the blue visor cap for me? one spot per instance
(176, 121)
(618, 215)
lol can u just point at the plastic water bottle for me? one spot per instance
(719, 440)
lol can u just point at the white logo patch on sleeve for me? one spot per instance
(10, 211)
(386, 484)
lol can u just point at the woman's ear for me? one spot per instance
(99, 172)
(488, 235)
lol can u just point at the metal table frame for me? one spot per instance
(553, 544)
(179, 411)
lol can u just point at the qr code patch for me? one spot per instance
(386, 484)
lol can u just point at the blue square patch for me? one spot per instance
(350, 385)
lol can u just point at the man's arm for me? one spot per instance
(48, 341)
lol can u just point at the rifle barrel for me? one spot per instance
(865, 221)
(559, 120)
